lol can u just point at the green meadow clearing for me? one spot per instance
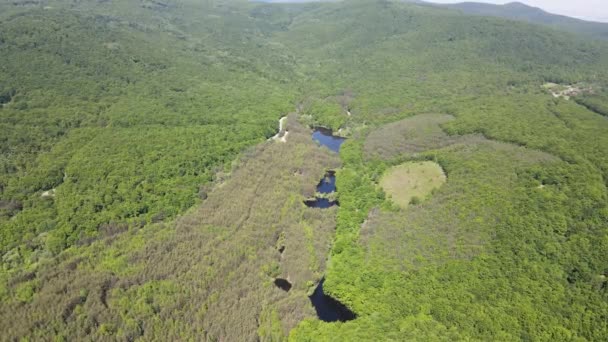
(412, 182)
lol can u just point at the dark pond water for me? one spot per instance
(325, 137)
(283, 284)
(329, 309)
(321, 203)
(327, 185)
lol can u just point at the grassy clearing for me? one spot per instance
(412, 182)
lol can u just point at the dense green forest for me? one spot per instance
(142, 199)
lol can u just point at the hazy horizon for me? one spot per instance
(595, 10)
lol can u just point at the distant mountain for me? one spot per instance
(523, 12)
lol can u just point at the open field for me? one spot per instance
(412, 182)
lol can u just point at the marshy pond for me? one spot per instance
(327, 185)
(328, 309)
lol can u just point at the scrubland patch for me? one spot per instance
(409, 136)
(224, 257)
(482, 174)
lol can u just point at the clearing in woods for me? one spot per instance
(410, 183)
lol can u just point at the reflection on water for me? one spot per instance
(324, 137)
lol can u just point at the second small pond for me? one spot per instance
(326, 186)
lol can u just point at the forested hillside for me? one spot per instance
(143, 196)
(122, 116)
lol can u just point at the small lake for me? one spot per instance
(329, 309)
(325, 137)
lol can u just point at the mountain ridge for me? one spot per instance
(520, 11)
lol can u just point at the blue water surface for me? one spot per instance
(325, 138)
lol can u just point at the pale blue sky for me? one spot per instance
(584, 9)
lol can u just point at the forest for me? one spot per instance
(143, 196)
